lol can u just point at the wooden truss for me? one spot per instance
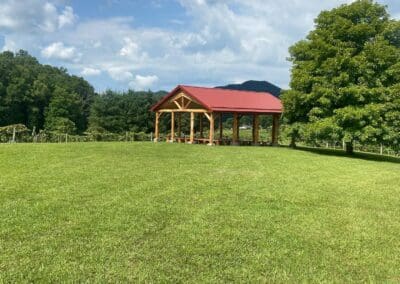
(182, 103)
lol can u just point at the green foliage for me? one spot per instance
(168, 213)
(27, 89)
(60, 125)
(63, 110)
(120, 112)
(22, 133)
(344, 74)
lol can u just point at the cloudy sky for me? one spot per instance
(157, 44)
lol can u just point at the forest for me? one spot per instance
(344, 90)
(44, 99)
(345, 79)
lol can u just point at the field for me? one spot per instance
(116, 212)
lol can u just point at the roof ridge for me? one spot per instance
(216, 98)
(222, 89)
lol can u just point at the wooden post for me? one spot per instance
(235, 129)
(220, 127)
(13, 135)
(34, 137)
(275, 129)
(156, 128)
(211, 138)
(191, 139)
(256, 129)
(201, 125)
(179, 125)
(172, 127)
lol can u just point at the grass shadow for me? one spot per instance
(356, 155)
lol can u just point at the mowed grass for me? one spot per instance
(143, 212)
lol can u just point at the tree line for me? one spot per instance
(345, 87)
(46, 98)
(345, 79)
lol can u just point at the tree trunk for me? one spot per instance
(292, 142)
(349, 148)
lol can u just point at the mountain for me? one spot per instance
(255, 86)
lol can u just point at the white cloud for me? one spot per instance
(58, 50)
(220, 41)
(33, 16)
(67, 18)
(88, 71)
(49, 19)
(130, 48)
(143, 82)
(120, 74)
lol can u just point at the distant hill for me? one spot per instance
(256, 86)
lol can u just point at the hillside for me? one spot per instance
(175, 213)
(256, 86)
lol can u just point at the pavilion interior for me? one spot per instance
(191, 123)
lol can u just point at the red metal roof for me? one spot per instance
(225, 100)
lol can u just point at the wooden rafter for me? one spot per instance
(178, 105)
(183, 102)
(187, 104)
(182, 95)
(183, 110)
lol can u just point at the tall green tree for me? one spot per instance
(344, 76)
(63, 111)
(27, 88)
(127, 111)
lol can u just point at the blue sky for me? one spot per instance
(157, 44)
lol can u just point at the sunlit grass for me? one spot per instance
(117, 212)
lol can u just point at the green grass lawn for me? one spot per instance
(116, 212)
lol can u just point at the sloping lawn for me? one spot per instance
(117, 212)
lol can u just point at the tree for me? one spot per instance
(343, 76)
(62, 111)
(120, 112)
(27, 88)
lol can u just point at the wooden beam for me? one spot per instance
(235, 129)
(211, 138)
(172, 127)
(201, 125)
(187, 104)
(178, 105)
(156, 127)
(179, 124)
(191, 128)
(184, 110)
(208, 116)
(220, 126)
(256, 129)
(275, 129)
(180, 95)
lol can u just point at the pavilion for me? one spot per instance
(213, 103)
